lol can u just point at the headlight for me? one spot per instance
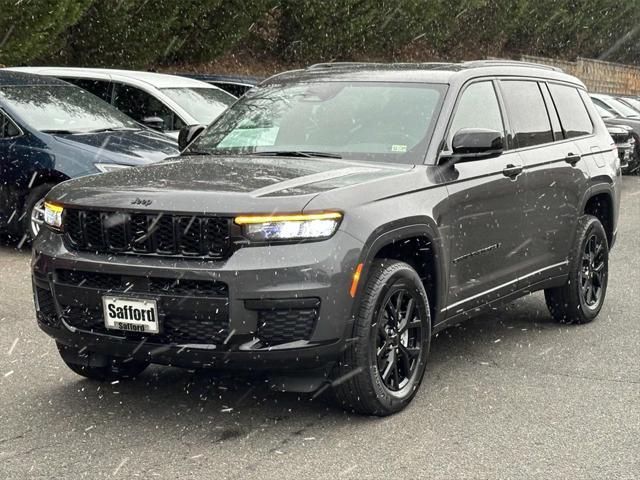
(110, 167)
(53, 215)
(313, 226)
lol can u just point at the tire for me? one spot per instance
(116, 368)
(575, 302)
(35, 199)
(368, 384)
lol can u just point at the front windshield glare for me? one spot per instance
(389, 122)
(63, 108)
(203, 104)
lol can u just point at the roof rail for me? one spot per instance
(341, 64)
(515, 63)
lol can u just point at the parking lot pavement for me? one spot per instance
(507, 395)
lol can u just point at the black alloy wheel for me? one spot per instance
(593, 271)
(399, 339)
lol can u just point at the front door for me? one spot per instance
(483, 220)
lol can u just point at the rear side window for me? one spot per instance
(572, 111)
(478, 108)
(100, 88)
(527, 112)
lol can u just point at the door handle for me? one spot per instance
(512, 171)
(572, 158)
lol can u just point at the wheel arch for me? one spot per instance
(599, 202)
(399, 240)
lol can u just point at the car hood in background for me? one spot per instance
(224, 184)
(129, 147)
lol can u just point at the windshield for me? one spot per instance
(63, 108)
(603, 112)
(625, 110)
(360, 120)
(632, 102)
(203, 104)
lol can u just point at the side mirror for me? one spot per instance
(476, 143)
(188, 134)
(154, 122)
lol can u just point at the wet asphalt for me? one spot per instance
(506, 395)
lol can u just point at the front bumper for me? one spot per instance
(258, 282)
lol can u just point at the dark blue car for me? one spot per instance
(51, 131)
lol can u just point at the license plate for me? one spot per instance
(131, 315)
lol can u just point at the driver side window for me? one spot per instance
(478, 108)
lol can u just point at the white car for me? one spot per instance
(161, 101)
(614, 106)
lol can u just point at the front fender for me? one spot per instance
(397, 231)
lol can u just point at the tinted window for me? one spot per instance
(478, 108)
(7, 128)
(573, 113)
(388, 122)
(100, 88)
(527, 112)
(140, 105)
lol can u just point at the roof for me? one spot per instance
(430, 72)
(157, 80)
(233, 79)
(20, 79)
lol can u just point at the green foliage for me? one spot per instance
(346, 29)
(29, 28)
(144, 33)
(137, 34)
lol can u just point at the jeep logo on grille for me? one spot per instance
(141, 201)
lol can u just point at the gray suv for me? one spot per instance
(324, 228)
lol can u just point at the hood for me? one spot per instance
(216, 184)
(629, 122)
(129, 147)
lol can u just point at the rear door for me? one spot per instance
(553, 177)
(484, 215)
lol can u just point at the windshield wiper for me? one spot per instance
(113, 129)
(296, 153)
(61, 132)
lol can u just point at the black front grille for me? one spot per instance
(137, 284)
(160, 234)
(283, 325)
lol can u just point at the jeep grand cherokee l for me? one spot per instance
(324, 228)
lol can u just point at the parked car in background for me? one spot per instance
(632, 125)
(622, 136)
(615, 106)
(333, 220)
(235, 85)
(632, 102)
(160, 101)
(51, 131)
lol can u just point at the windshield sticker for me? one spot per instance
(399, 148)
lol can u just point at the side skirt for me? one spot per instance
(479, 310)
